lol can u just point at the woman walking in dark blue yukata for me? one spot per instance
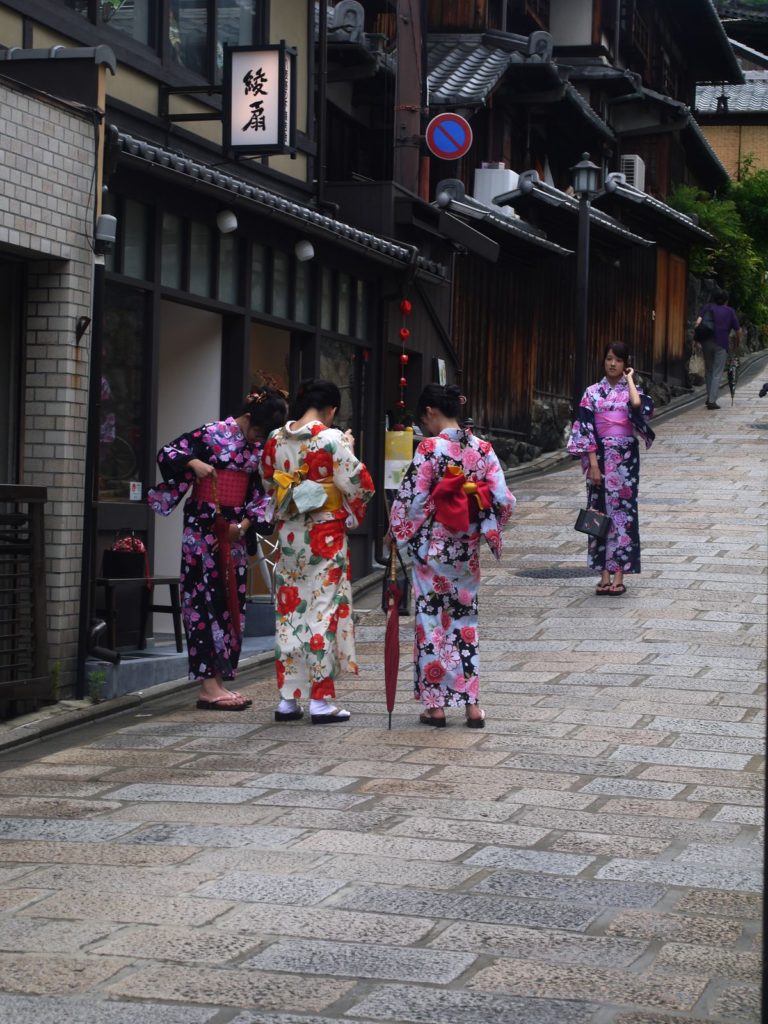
(216, 466)
(611, 416)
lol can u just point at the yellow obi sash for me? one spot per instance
(293, 489)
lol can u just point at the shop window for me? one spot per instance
(135, 239)
(258, 278)
(326, 299)
(189, 32)
(302, 298)
(338, 362)
(134, 17)
(200, 254)
(234, 27)
(280, 284)
(122, 430)
(227, 290)
(344, 300)
(171, 250)
(361, 310)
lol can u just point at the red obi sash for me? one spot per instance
(458, 500)
(231, 486)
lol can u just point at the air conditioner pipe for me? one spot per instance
(98, 628)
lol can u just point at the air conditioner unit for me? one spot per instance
(494, 181)
(632, 167)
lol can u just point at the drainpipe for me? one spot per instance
(322, 94)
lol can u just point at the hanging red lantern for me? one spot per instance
(403, 382)
(404, 358)
(404, 333)
(405, 307)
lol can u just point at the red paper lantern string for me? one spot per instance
(405, 311)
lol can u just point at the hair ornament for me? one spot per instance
(462, 399)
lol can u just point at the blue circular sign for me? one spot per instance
(449, 136)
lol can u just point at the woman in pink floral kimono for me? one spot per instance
(319, 490)
(453, 494)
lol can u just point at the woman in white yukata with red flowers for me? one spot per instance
(452, 494)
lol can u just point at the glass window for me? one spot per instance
(135, 238)
(345, 299)
(228, 269)
(200, 249)
(129, 16)
(188, 34)
(326, 300)
(171, 251)
(361, 310)
(338, 362)
(280, 266)
(302, 299)
(258, 277)
(234, 27)
(78, 6)
(122, 423)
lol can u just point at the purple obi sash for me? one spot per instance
(613, 423)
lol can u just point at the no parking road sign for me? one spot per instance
(449, 136)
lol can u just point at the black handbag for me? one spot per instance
(403, 585)
(706, 328)
(592, 521)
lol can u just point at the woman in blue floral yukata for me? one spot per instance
(218, 461)
(612, 414)
(452, 494)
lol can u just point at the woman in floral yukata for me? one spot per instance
(611, 414)
(452, 494)
(320, 490)
(218, 460)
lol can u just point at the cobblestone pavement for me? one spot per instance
(592, 857)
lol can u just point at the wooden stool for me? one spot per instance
(110, 585)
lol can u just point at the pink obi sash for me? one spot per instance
(614, 423)
(230, 490)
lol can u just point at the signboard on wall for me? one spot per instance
(260, 99)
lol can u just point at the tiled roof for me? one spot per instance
(273, 203)
(681, 221)
(750, 98)
(477, 213)
(463, 70)
(743, 11)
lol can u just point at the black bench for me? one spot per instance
(110, 585)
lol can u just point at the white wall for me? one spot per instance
(189, 385)
(570, 22)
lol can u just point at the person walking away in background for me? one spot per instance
(715, 347)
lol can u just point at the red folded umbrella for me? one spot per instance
(226, 564)
(392, 597)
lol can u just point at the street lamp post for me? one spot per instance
(585, 179)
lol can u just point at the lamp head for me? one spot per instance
(226, 222)
(585, 177)
(304, 250)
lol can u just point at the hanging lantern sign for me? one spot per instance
(260, 99)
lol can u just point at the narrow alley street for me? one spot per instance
(592, 857)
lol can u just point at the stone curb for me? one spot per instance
(51, 720)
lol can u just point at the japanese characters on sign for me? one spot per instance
(259, 99)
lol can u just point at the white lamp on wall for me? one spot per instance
(226, 222)
(304, 250)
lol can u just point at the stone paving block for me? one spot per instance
(530, 860)
(462, 758)
(44, 852)
(184, 794)
(577, 891)
(530, 944)
(657, 707)
(62, 831)
(254, 1017)
(711, 961)
(130, 742)
(742, 815)
(596, 845)
(17, 784)
(470, 810)
(727, 744)
(38, 974)
(550, 798)
(32, 936)
(638, 924)
(47, 807)
(265, 764)
(64, 1010)
(326, 923)
(738, 1004)
(16, 899)
(646, 737)
(629, 825)
(208, 730)
(485, 784)
(694, 876)
(266, 862)
(179, 945)
(673, 756)
(240, 886)
(230, 987)
(188, 775)
(556, 981)
(633, 788)
(687, 810)
(193, 813)
(315, 783)
(380, 846)
(297, 798)
(351, 821)
(481, 908)
(82, 757)
(725, 856)
(428, 1006)
(129, 909)
(390, 871)
(473, 832)
(703, 777)
(362, 960)
(261, 836)
(728, 794)
(163, 881)
(728, 904)
(700, 727)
